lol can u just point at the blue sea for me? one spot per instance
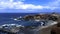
(5, 18)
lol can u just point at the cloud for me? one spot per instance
(10, 4)
(19, 5)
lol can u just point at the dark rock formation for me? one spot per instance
(27, 18)
(53, 17)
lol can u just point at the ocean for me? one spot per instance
(5, 18)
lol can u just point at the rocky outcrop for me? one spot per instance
(53, 17)
(35, 17)
(28, 17)
(38, 17)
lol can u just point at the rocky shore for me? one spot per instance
(52, 16)
(45, 23)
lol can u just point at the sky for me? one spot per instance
(29, 6)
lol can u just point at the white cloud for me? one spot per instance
(9, 4)
(19, 5)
